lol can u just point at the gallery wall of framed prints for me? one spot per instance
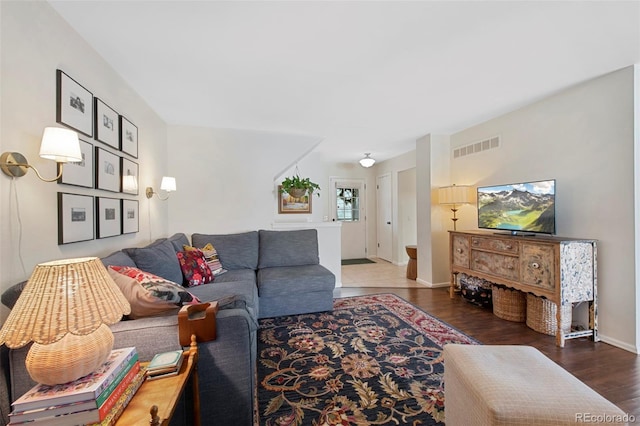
(109, 166)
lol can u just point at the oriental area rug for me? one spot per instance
(373, 360)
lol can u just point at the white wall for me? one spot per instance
(227, 179)
(35, 42)
(407, 212)
(582, 137)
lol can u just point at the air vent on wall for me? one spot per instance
(476, 147)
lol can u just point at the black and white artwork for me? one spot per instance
(107, 167)
(130, 219)
(74, 104)
(75, 218)
(79, 173)
(109, 223)
(128, 137)
(107, 124)
(129, 176)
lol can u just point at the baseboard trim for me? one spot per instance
(618, 343)
(432, 285)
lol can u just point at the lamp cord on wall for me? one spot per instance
(14, 189)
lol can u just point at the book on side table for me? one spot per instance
(165, 364)
(86, 400)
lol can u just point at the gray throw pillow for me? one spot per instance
(159, 259)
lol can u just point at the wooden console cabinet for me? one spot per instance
(562, 270)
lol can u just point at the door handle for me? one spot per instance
(388, 223)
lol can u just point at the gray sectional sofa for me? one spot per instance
(269, 274)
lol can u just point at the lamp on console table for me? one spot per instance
(454, 196)
(65, 309)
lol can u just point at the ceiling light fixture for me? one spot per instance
(367, 161)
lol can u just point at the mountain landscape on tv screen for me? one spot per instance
(517, 210)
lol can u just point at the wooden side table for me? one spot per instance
(412, 266)
(156, 400)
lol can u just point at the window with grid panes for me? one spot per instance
(348, 204)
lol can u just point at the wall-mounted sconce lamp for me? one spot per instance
(367, 161)
(168, 184)
(454, 195)
(58, 144)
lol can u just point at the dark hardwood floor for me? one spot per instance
(612, 372)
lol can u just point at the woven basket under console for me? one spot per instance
(541, 315)
(508, 304)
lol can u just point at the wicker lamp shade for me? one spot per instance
(65, 309)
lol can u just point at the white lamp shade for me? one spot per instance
(367, 161)
(168, 184)
(454, 194)
(60, 145)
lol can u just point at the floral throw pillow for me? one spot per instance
(211, 257)
(194, 267)
(157, 289)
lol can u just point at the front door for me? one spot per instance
(349, 208)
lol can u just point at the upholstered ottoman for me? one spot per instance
(517, 385)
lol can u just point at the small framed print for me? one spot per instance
(75, 218)
(74, 104)
(107, 124)
(79, 173)
(128, 137)
(130, 221)
(109, 212)
(129, 183)
(290, 204)
(107, 170)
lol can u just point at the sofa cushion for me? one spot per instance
(231, 294)
(285, 281)
(158, 258)
(149, 294)
(10, 296)
(118, 258)
(236, 251)
(288, 248)
(178, 241)
(194, 268)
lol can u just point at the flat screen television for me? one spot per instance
(521, 208)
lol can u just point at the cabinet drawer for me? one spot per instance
(495, 264)
(460, 251)
(495, 244)
(537, 266)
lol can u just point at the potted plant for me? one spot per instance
(297, 187)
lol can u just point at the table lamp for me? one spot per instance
(65, 309)
(454, 195)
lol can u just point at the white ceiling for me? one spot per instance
(367, 76)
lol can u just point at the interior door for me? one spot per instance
(349, 208)
(385, 214)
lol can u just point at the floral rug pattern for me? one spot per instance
(373, 360)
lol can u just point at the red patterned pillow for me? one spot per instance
(194, 267)
(149, 294)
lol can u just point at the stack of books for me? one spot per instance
(165, 364)
(97, 398)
